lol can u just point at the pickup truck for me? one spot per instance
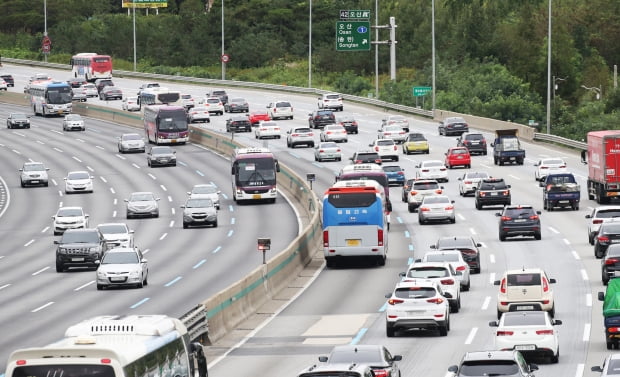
(560, 190)
(507, 148)
(611, 313)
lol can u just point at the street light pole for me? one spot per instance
(597, 90)
(433, 52)
(221, 56)
(309, 46)
(135, 68)
(45, 25)
(376, 49)
(549, 74)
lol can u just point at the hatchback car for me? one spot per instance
(386, 148)
(78, 94)
(110, 92)
(280, 110)
(78, 181)
(453, 126)
(131, 142)
(432, 169)
(257, 116)
(300, 136)
(334, 132)
(491, 192)
(199, 114)
(455, 258)
(441, 273)
(608, 234)
(206, 191)
(525, 289)
(327, 151)
(469, 181)
(493, 363)
(73, 122)
(530, 332)
(142, 204)
(33, 173)
(130, 104)
(436, 208)
(200, 212)
(458, 156)
(239, 105)
(382, 362)
(546, 166)
(366, 157)
(474, 142)
(18, 120)
(349, 123)
(394, 132)
(610, 264)
(420, 189)
(519, 220)
(76, 82)
(69, 218)
(268, 129)
(238, 123)
(415, 143)
(330, 101)
(417, 303)
(161, 156)
(398, 120)
(122, 266)
(395, 174)
(102, 83)
(116, 234)
(466, 245)
(10, 81)
(90, 90)
(598, 216)
(321, 118)
(214, 105)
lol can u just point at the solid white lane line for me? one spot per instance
(163, 236)
(84, 285)
(485, 303)
(472, 334)
(42, 307)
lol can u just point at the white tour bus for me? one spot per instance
(115, 346)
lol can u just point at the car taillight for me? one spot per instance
(378, 161)
(467, 182)
(597, 221)
(442, 169)
(545, 285)
(611, 261)
(377, 149)
(534, 217)
(447, 282)
(562, 166)
(613, 329)
(321, 151)
(504, 333)
(603, 238)
(358, 161)
(325, 238)
(436, 300)
(413, 193)
(294, 134)
(505, 192)
(544, 332)
(438, 191)
(380, 237)
(395, 147)
(380, 373)
(424, 170)
(449, 208)
(425, 209)
(400, 173)
(338, 150)
(506, 218)
(460, 268)
(328, 132)
(544, 167)
(395, 301)
(502, 287)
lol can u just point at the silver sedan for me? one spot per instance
(131, 143)
(121, 267)
(142, 204)
(327, 151)
(436, 208)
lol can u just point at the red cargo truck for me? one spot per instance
(603, 159)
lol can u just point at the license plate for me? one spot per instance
(117, 279)
(525, 347)
(493, 194)
(35, 181)
(520, 220)
(615, 241)
(174, 140)
(356, 242)
(525, 307)
(256, 196)
(77, 259)
(512, 158)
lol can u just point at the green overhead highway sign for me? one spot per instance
(419, 91)
(352, 36)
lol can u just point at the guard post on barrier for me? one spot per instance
(264, 244)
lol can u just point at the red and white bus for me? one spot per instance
(165, 124)
(254, 175)
(91, 66)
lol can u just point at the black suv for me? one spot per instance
(519, 220)
(79, 248)
(608, 233)
(349, 123)
(466, 245)
(8, 79)
(474, 142)
(610, 265)
(492, 191)
(19, 120)
(219, 93)
(238, 123)
(319, 118)
(100, 83)
(366, 157)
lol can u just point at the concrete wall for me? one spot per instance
(232, 305)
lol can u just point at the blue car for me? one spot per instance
(395, 174)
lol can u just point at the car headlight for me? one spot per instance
(101, 274)
(94, 249)
(134, 274)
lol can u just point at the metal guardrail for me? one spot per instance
(561, 141)
(197, 324)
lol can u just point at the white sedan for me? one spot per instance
(548, 166)
(73, 122)
(327, 151)
(78, 181)
(455, 258)
(334, 132)
(469, 181)
(531, 332)
(130, 104)
(206, 191)
(131, 142)
(432, 169)
(116, 234)
(394, 132)
(268, 129)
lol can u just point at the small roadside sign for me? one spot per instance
(419, 91)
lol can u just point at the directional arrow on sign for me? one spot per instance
(365, 41)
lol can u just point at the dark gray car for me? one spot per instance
(161, 156)
(79, 248)
(199, 211)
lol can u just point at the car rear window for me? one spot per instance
(608, 228)
(368, 156)
(493, 186)
(608, 214)
(519, 212)
(523, 279)
(356, 355)
(442, 258)
(415, 292)
(351, 200)
(283, 104)
(425, 186)
(428, 272)
(614, 366)
(432, 164)
(447, 243)
(392, 168)
(333, 96)
(459, 151)
(489, 368)
(416, 137)
(385, 142)
(529, 319)
(80, 237)
(474, 137)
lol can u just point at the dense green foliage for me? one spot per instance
(491, 54)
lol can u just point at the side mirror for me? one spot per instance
(126, 200)
(322, 359)
(388, 295)
(538, 212)
(447, 295)
(453, 369)
(541, 184)
(557, 322)
(459, 179)
(478, 244)
(494, 323)
(588, 216)
(417, 260)
(433, 246)
(508, 186)
(181, 206)
(402, 274)
(552, 281)
(492, 144)
(56, 242)
(397, 357)
(496, 282)
(533, 367)
(601, 296)
(498, 214)
(596, 368)
(156, 199)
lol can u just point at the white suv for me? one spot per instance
(441, 273)
(69, 218)
(417, 304)
(214, 105)
(300, 136)
(525, 289)
(598, 216)
(420, 189)
(330, 101)
(33, 173)
(386, 148)
(280, 110)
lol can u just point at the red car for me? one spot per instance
(458, 156)
(257, 116)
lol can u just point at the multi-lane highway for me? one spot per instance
(341, 306)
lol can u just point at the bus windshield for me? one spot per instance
(59, 370)
(255, 172)
(172, 121)
(58, 96)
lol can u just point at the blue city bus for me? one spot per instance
(50, 97)
(355, 222)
